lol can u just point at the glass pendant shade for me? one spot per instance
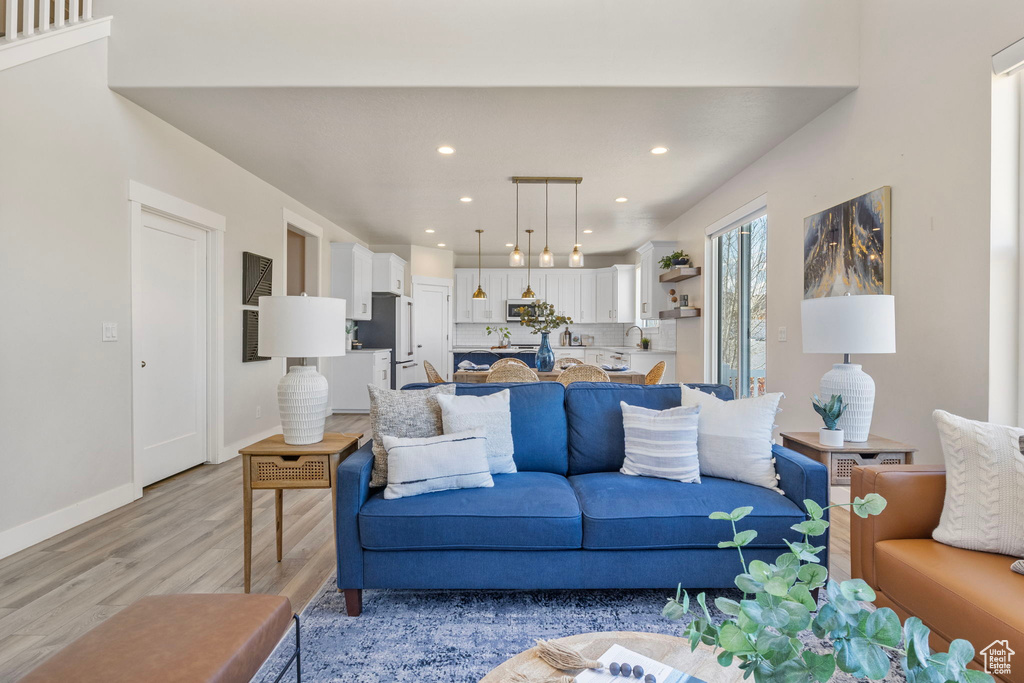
(547, 259)
(515, 259)
(576, 258)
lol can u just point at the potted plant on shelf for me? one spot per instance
(676, 258)
(504, 336)
(542, 319)
(645, 343)
(830, 411)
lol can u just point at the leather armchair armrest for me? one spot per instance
(353, 490)
(914, 496)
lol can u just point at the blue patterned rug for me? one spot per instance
(459, 636)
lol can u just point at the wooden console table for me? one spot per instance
(877, 450)
(273, 464)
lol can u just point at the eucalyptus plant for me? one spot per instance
(761, 630)
(502, 332)
(543, 318)
(830, 411)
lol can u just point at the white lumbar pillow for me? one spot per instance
(984, 505)
(436, 463)
(661, 443)
(734, 438)
(490, 413)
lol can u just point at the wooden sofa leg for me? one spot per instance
(354, 601)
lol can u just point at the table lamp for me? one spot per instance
(846, 325)
(302, 327)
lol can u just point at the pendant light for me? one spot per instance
(515, 259)
(576, 257)
(547, 259)
(479, 293)
(528, 292)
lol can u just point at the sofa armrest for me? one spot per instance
(353, 490)
(914, 496)
(800, 477)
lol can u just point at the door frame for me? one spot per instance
(143, 198)
(314, 235)
(440, 282)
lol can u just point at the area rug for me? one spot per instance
(458, 636)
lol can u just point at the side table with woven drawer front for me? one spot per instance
(877, 450)
(273, 464)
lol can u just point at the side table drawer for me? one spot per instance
(290, 471)
(842, 464)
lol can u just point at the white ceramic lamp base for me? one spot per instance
(858, 392)
(302, 400)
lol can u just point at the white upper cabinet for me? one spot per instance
(616, 294)
(465, 285)
(516, 282)
(388, 274)
(562, 290)
(351, 273)
(587, 312)
(653, 293)
(492, 309)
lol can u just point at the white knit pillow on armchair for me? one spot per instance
(984, 505)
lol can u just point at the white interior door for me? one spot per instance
(432, 328)
(170, 415)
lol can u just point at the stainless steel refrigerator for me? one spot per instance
(391, 328)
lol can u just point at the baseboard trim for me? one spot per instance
(231, 450)
(59, 521)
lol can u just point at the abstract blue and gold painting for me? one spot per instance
(847, 247)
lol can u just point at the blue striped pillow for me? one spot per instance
(436, 463)
(661, 443)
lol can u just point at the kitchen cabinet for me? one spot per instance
(577, 353)
(593, 356)
(388, 274)
(653, 293)
(643, 361)
(492, 309)
(351, 275)
(516, 282)
(587, 311)
(352, 372)
(562, 291)
(465, 285)
(615, 292)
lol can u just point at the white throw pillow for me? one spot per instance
(661, 443)
(436, 463)
(490, 413)
(734, 438)
(984, 504)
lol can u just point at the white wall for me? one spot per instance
(920, 121)
(70, 146)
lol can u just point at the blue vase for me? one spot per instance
(545, 356)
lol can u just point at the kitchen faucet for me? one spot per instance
(625, 336)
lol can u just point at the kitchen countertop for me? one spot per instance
(366, 350)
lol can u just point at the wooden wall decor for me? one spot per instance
(257, 277)
(251, 337)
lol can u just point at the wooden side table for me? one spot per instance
(273, 464)
(877, 450)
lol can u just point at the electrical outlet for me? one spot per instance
(259, 412)
(783, 335)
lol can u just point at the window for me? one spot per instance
(741, 305)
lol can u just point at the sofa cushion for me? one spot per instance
(538, 422)
(597, 442)
(523, 511)
(957, 593)
(623, 512)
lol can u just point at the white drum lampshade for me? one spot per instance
(848, 325)
(302, 327)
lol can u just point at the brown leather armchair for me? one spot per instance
(957, 593)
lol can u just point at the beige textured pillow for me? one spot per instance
(984, 505)
(407, 414)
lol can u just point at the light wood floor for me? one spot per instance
(183, 536)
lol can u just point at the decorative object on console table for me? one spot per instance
(274, 464)
(830, 411)
(846, 325)
(257, 277)
(302, 327)
(840, 460)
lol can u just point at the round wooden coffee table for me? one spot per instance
(670, 650)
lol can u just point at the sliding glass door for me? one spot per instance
(742, 305)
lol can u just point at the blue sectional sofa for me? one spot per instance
(568, 518)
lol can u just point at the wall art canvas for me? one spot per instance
(257, 277)
(251, 337)
(847, 247)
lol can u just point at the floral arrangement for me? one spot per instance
(542, 318)
(503, 333)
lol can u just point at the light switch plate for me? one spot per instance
(110, 332)
(783, 334)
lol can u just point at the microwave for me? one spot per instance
(512, 307)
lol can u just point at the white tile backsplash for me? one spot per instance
(605, 334)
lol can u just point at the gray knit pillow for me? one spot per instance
(413, 413)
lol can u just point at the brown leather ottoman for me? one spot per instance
(222, 638)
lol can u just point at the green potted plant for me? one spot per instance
(542, 319)
(676, 258)
(504, 336)
(830, 411)
(762, 631)
(645, 343)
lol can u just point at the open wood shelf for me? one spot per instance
(679, 273)
(679, 313)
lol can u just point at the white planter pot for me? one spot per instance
(833, 438)
(302, 400)
(858, 392)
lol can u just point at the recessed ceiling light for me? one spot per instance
(445, 149)
(587, 232)
(465, 200)
(440, 244)
(659, 150)
(429, 231)
(509, 244)
(621, 199)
